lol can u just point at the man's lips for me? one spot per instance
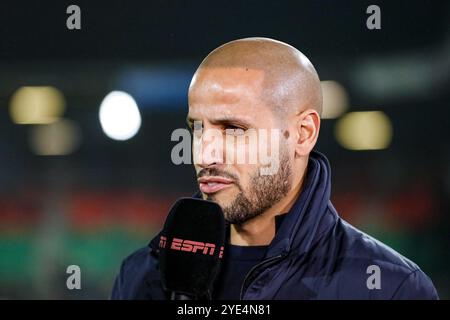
(213, 184)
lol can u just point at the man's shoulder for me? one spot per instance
(138, 277)
(138, 257)
(364, 247)
(372, 266)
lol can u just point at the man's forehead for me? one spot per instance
(225, 81)
(225, 91)
(220, 112)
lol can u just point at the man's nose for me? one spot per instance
(211, 149)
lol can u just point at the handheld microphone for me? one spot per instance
(191, 247)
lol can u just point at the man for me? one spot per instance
(286, 240)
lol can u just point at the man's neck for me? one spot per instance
(260, 231)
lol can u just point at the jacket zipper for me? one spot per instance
(252, 270)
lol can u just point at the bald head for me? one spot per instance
(281, 75)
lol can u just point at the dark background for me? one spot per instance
(96, 205)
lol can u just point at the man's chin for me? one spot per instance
(226, 194)
(223, 198)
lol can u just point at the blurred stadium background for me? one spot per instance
(72, 194)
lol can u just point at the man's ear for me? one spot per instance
(307, 132)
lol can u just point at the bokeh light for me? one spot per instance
(57, 139)
(370, 130)
(335, 99)
(119, 116)
(36, 105)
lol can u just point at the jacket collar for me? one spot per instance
(307, 219)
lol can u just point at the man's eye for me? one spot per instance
(233, 130)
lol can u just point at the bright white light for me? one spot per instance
(369, 130)
(119, 116)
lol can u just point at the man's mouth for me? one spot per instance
(209, 185)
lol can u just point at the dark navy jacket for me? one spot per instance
(314, 255)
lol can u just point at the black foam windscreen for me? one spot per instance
(191, 247)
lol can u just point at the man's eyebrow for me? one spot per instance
(223, 120)
(232, 121)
